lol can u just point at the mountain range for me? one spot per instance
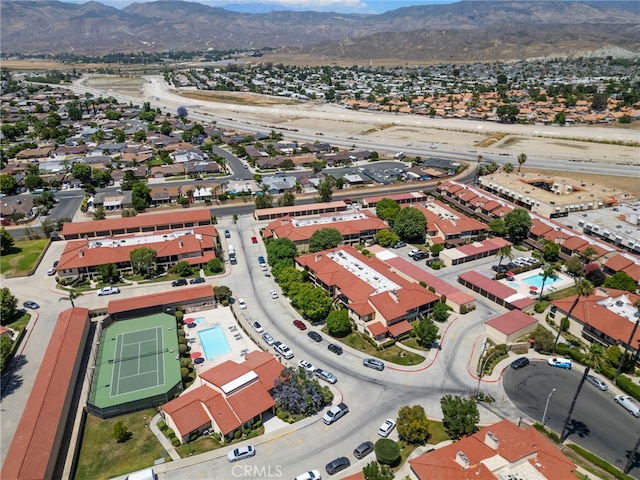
(466, 31)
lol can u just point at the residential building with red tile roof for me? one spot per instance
(510, 326)
(607, 317)
(495, 291)
(379, 301)
(38, 440)
(194, 245)
(300, 210)
(354, 226)
(499, 451)
(199, 295)
(472, 251)
(399, 198)
(451, 227)
(230, 396)
(624, 262)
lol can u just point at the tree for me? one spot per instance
(325, 190)
(504, 251)
(8, 184)
(287, 199)
(263, 200)
(297, 393)
(518, 223)
(522, 158)
(387, 452)
(109, 272)
(183, 269)
(373, 471)
(32, 181)
(287, 275)
(387, 210)
(324, 239)
(215, 265)
(103, 177)
(549, 272)
(413, 425)
(338, 323)
(140, 196)
(551, 250)
(440, 312)
(6, 241)
(98, 213)
(71, 296)
(82, 172)
(574, 266)
(589, 254)
(436, 248)
(410, 224)
(386, 238)
(5, 351)
(120, 432)
(8, 305)
(508, 167)
(427, 332)
(142, 259)
(460, 416)
(497, 227)
(222, 293)
(584, 288)
(313, 301)
(621, 281)
(594, 274)
(280, 249)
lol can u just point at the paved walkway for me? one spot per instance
(164, 441)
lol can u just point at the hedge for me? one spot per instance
(387, 452)
(607, 467)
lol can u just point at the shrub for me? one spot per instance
(541, 306)
(183, 349)
(175, 442)
(387, 452)
(182, 340)
(179, 316)
(169, 433)
(237, 434)
(181, 333)
(628, 386)
(599, 462)
(120, 432)
(257, 424)
(162, 425)
(542, 429)
(184, 372)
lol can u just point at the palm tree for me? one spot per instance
(504, 251)
(72, 295)
(626, 345)
(521, 159)
(548, 273)
(589, 254)
(584, 288)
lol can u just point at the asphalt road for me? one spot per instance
(597, 424)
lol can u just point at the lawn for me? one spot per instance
(101, 457)
(392, 354)
(413, 343)
(23, 257)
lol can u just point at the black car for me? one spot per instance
(337, 349)
(227, 234)
(197, 280)
(337, 465)
(363, 450)
(178, 283)
(315, 336)
(420, 256)
(519, 363)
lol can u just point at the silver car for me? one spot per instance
(596, 382)
(241, 453)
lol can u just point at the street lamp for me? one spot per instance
(544, 415)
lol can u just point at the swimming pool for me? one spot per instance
(213, 342)
(536, 281)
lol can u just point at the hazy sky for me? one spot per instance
(262, 6)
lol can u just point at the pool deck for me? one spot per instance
(517, 283)
(238, 341)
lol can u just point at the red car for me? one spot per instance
(299, 324)
(254, 240)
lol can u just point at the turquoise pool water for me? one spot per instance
(213, 342)
(536, 281)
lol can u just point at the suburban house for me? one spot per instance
(448, 227)
(279, 184)
(354, 226)
(380, 302)
(498, 452)
(228, 397)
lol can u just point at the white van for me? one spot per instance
(628, 404)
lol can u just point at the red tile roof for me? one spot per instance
(396, 197)
(376, 328)
(266, 366)
(618, 263)
(33, 451)
(400, 328)
(497, 289)
(511, 322)
(224, 373)
(191, 294)
(575, 244)
(187, 412)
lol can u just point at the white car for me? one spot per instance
(306, 365)
(242, 304)
(311, 475)
(241, 453)
(283, 350)
(335, 413)
(108, 291)
(273, 294)
(51, 271)
(257, 327)
(386, 428)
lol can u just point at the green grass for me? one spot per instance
(392, 354)
(437, 432)
(19, 322)
(567, 292)
(413, 343)
(208, 443)
(101, 457)
(23, 257)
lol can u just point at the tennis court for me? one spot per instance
(137, 366)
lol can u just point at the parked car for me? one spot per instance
(315, 336)
(283, 350)
(254, 240)
(179, 283)
(560, 362)
(363, 450)
(306, 365)
(420, 256)
(55, 264)
(242, 304)
(325, 375)
(299, 324)
(196, 280)
(596, 382)
(627, 403)
(273, 294)
(227, 234)
(337, 465)
(241, 453)
(386, 428)
(415, 251)
(257, 327)
(334, 413)
(268, 338)
(337, 349)
(51, 271)
(310, 475)
(373, 363)
(111, 290)
(399, 245)
(30, 304)
(519, 363)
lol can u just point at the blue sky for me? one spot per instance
(262, 6)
